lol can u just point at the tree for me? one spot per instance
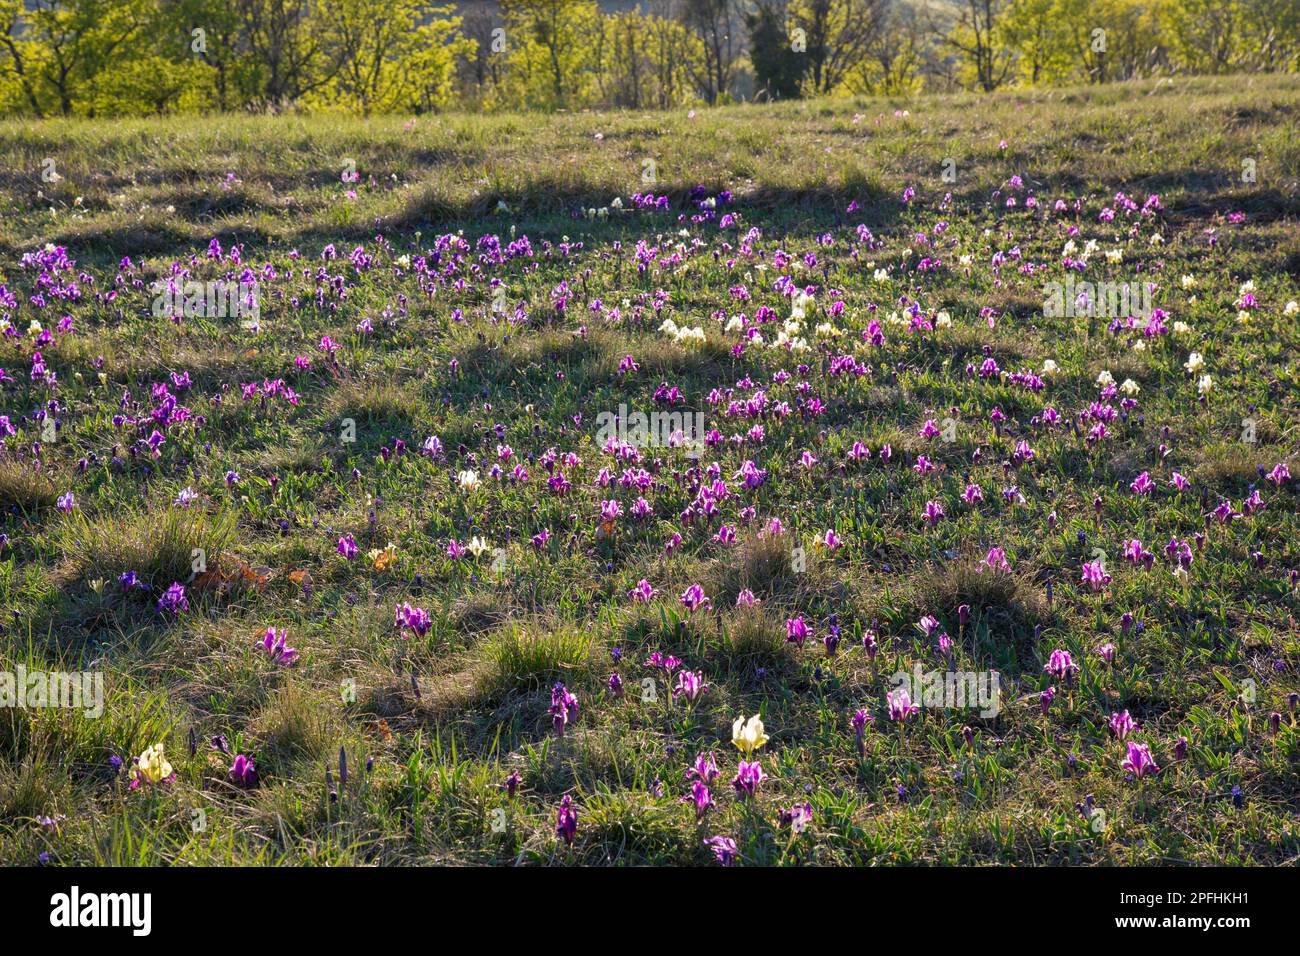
(64, 47)
(391, 54)
(290, 51)
(839, 35)
(714, 22)
(552, 50)
(1207, 35)
(778, 69)
(1033, 30)
(977, 34)
(674, 52)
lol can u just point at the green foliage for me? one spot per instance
(147, 57)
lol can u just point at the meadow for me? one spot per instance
(307, 462)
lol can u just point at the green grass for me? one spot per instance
(447, 715)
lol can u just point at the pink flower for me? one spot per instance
(796, 631)
(933, 512)
(748, 776)
(414, 619)
(643, 593)
(705, 767)
(1122, 724)
(900, 704)
(1095, 576)
(1139, 761)
(690, 684)
(700, 797)
(273, 643)
(1061, 666)
(693, 598)
(996, 560)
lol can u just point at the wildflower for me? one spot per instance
(151, 767)
(796, 631)
(705, 767)
(797, 817)
(693, 598)
(701, 797)
(347, 547)
(615, 684)
(67, 502)
(1139, 761)
(408, 618)
(1122, 724)
(1107, 652)
(690, 684)
(564, 707)
(273, 643)
(933, 512)
(860, 720)
(1045, 699)
(900, 704)
(243, 772)
(995, 560)
(174, 600)
(1061, 666)
(748, 777)
(1095, 576)
(643, 593)
(724, 849)
(664, 662)
(746, 598)
(511, 784)
(566, 821)
(467, 479)
(748, 736)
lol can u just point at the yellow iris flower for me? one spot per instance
(748, 735)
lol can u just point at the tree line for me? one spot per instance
(142, 57)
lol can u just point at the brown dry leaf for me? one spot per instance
(257, 578)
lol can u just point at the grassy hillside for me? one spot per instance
(890, 413)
